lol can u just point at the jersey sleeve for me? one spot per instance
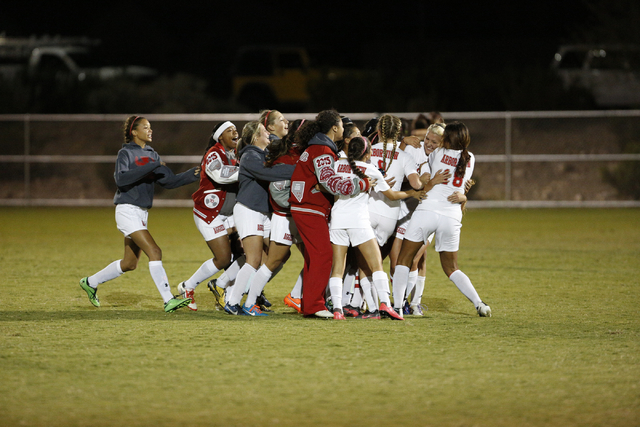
(324, 169)
(409, 164)
(218, 171)
(381, 184)
(128, 174)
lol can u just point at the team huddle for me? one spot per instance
(347, 198)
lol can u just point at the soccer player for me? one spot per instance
(138, 168)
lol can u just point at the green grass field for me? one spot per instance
(562, 347)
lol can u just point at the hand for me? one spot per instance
(441, 177)
(457, 197)
(420, 194)
(372, 182)
(163, 164)
(468, 185)
(413, 141)
(197, 171)
(391, 181)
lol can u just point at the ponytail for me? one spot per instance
(456, 137)
(358, 148)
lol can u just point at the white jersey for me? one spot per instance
(407, 206)
(400, 166)
(445, 159)
(351, 211)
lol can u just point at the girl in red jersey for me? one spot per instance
(213, 204)
(313, 186)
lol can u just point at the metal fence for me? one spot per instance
(523, 159)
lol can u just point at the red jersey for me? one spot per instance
(317, 166)
(210, 195)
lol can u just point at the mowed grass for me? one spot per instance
(562, 348)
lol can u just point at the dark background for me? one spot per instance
(457, 55)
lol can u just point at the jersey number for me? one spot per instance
(457, 181)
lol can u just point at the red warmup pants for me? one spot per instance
(318, 257)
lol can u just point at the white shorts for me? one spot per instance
(447, 230)
(402, 229)
(383, 227)
(250, 222)
(217, 228)
(131, 218)
(353, 236)
(284, 230)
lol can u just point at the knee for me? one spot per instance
(222, 260)
(128, 265)
(155, 254)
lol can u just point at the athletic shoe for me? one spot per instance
(253, 311)
(350, 311)
(328, 303)
(91, 292)
(338, 314)
(483, 310)
(322, 314)
(386, 311)
(262, 300)
(416, 310)
(369, 315)
(292, 302)
(188, 293)
(175, 303)
(218, 293)
(405, 308)
(234, 309)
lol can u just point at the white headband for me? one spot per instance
(226, 125)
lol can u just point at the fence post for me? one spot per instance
(507, 152)
(27, 150)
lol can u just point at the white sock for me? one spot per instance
(206, 270)
(464, 284)
(411, 283)
(110, 272)
(367, 292)
(419, 290)
(381, 284)
(296, 292)
(348, 284)
(335, 288)
(400, 278)
(259, 281)
(356, 298)
(159, 276)
(242, 280)
(230, 273)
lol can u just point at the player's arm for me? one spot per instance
(218, 171)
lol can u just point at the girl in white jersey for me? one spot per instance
(350, 225)
(392, 163)
(438, 214)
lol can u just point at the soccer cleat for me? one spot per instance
(322, 314)
(386, 311)
(91, 292)
(294, 303)
(338, 314)
(483, 310)
(188, 293)
(218, 293)
(234, 310)
(350, 311)
(416, 310)
(262, 300)
(369, 315)
(175, 303)
(253, 311)
(405, 308)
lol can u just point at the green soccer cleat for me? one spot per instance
(91, 292)
(175, 303)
